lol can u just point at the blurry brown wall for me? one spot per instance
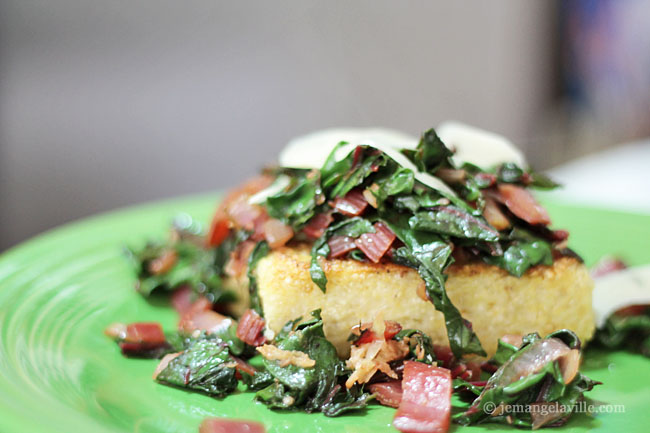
(109, 103)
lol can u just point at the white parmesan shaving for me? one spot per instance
(620, 289)
(479, 147)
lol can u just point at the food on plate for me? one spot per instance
(622, 306)
(426, 399)
(537, 383)
(369, 265)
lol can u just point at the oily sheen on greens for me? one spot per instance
(427, 222)
(540, 397)
(317, 388)
(194, 266)
(205, 364)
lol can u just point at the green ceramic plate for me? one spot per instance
(59, 373)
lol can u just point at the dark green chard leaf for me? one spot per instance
(430, 255)
(261, 249)
(333, 170)
(470, 191)
(260, 380)
(511, 173)
(452, 221)
(527, 383)
(314, 388)
(630, 332)
(431, 153)
(504, 353)
(353, 227)
(522, 255)
(295, 206)
(227, 335)
(365, 167)
(204, 366)
(541, 181)
(339, 177)
(460, 386)
(394, 180)
(420, 346)
(344, 400)
(194, 266)
(419, 200)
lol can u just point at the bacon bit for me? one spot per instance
(607, 265)
(207, 320)
(387, 393)
(470, 371)
(182, 299)
(238, 261)
(236, 203)
(219, 230)
(444, 355)
(367, 335)
(391, 330)
(632, 310)
(559, 235)
(494, 216)
(139, 337)
(148, 333)
(317, 225)
(247, 189)
(522, 203)
(450, 175)
(489, 368)
(164, 362)
(221, 425)
(276, 233)
(369, 358)
(162, 264)
(375, 245)
(242, 367)
(200, 305)
(251, 328)
(353, 204)
(286, 357)
(340, 245)
(488, 178)
(426, 399)
(244, 214)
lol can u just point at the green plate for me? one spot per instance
(59, 373)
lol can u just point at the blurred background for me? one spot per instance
(109, 103)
